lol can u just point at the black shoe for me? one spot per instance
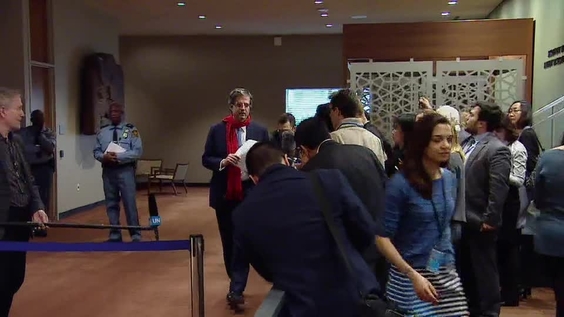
(236, 301)
(525, 293)
(40, 233)
(114, 240)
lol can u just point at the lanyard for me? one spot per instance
(442, 225)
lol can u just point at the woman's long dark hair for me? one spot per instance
(405, 122)
(511, 134)
(420, 138)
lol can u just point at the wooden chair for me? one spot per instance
(172, 175)
(145, 169)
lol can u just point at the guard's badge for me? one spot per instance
(135, 133)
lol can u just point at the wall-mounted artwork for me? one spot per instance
(102, 84)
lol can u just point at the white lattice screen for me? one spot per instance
(394, 88)
(461, 83)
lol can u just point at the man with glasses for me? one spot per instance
(229, 183)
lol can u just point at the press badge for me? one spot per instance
(436, 260)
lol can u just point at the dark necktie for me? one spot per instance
(115, 136)
(470, 142)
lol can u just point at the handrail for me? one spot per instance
(550, 105)
(550, 117)
(272, 304)
(549, 114)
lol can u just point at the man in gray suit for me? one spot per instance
(19, 197)
(488, 165)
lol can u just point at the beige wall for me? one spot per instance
(78, 31)
(176, 87)
(548, 84)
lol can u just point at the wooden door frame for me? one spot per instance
(50, 101)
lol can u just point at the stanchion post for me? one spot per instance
(197, 274)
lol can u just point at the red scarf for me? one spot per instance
(234, 184)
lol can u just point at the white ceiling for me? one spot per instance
(276, 17)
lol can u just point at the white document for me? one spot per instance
(116, 148)
(242, 153)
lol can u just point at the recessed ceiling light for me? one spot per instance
(201, 16)
(356, 17)
(322, 10)
(181, 3)
(318, 2)
(445, 14)
(218, 26)
(328, 25)
(452, 2)
(324, 15)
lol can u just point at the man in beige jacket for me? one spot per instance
(346, 117)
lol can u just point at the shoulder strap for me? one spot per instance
(330, 221)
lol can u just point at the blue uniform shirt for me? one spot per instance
(128, 138)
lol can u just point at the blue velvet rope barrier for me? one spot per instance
(173, 245)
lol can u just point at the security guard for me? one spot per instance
(118, 169)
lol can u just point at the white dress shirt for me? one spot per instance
(243, 135)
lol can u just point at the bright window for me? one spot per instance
(302, 103)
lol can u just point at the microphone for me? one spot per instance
(154, 218)
(287, 142)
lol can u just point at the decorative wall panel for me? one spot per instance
(390, 88)
(460, 83)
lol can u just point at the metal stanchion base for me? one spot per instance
(197, 275)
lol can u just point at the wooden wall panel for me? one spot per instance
(431, 41)
(39, 31)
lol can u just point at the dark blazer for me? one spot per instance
(487, 182)
(530, 140)
(36, 203)
(362, 169)
(280, 229)
(216, 150)
(388, 149)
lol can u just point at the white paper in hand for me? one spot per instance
(116, 148)
(242, 153)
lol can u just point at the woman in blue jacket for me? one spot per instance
(417, 242)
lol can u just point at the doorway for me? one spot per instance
(42, 72)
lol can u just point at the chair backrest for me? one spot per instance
(180, 172)
(145, 166)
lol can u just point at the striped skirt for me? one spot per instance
(452, 301)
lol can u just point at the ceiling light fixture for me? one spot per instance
(328, 25)
(201, 17)
(218, 26)
(324, 15)
(452, 2)
(322, 10)
(357, 17)
(318, 2)
(181, 4)
(445, 14)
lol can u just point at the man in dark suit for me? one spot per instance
(281, 231)
(358, 164)
(487, 169)
(20, 200)
(229, 184)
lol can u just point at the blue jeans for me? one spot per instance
(119, 183)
